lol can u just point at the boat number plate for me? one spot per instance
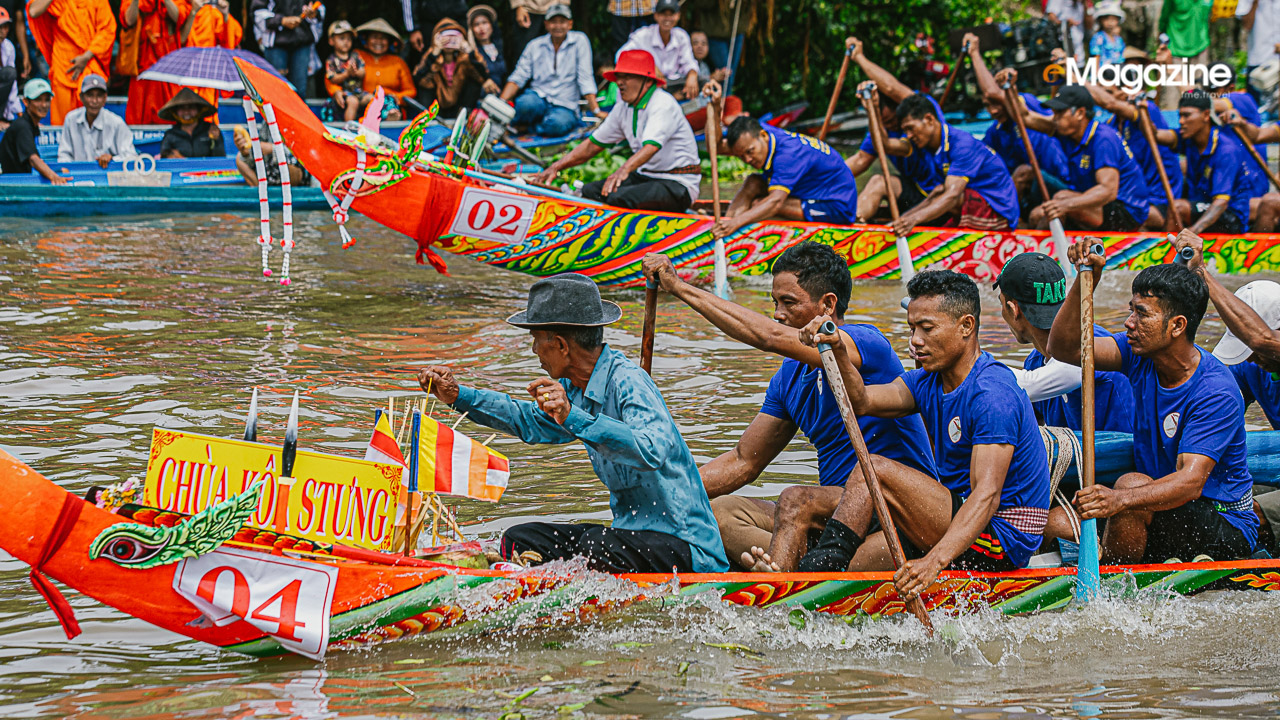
(284, 598)
(491, 215)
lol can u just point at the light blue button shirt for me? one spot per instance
(634, 446)
(561, 78)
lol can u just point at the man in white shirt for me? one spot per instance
(93, 133)
(1262, 19)
(670, 47)
(663, 172)
(557, 68)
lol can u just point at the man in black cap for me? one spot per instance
(662, 518)
(1219, 185)
(1108, 191)
(1032, 287)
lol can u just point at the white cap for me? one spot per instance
(1108, 7)
(1264, 297)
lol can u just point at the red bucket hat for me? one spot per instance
(635, 62)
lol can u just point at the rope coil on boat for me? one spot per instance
(264, 236)
(286, 243)
(1056, 440)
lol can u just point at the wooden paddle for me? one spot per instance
(1172, 221)
(650, 321)
(835, 380)
(713, 149)
(1088, 577)
(835, 95)
(955, 73)
(1262, 163)
(905, 264)
(1055, 224)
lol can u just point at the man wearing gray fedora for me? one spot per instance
(662, 519)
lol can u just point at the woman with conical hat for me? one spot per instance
(192, 135)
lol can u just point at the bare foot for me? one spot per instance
(758, 560)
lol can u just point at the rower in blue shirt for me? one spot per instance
(1032, 288)
(1003, 136)
(986, 507)
(800, 178)
(809, 279)
(1108, 190)
(917, 175)
(977, 191)
(1192, 493)
(1240, 109)
(1125, 120)
(662, 520)
(1218, 186)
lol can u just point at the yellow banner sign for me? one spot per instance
(330, 498)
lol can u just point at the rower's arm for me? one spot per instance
(644, 438)
(1241, 319)
(893, 400)
(1267, 135)
(859, 162)
(1105, 100)
(1178, 488)
(1106, 187)
(885, 82)
(1167, 138)
(943, 200)
(1210, 216)
(520, 418)
(988, 468)
(1050, 380)
(1064, 336)
(760, 443)
(986, 81)
(769, 206)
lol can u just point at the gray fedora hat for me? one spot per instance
(566, 299)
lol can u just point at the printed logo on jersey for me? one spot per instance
(1171, 424)
(953, 429)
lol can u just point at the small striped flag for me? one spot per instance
(455, 464)
(382, 446)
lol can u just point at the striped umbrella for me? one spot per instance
(205, 67)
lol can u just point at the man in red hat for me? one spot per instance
(663, 172)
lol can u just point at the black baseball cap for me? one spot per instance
(665, 5)
(1070, 97)
(1037, 282)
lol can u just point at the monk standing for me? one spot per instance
(211, 25)
(75, 36)
(157, 37)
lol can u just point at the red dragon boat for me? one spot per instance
(525, 229)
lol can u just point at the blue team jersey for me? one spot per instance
(799, 394)
(1102, 147)
(1007, 142)
(1259, 184)
(1218, 171)
(1204, 416)
(808, 169)
(1112, 397)
(1131, 131)
(1257, 385)
(916, 166)
(960, 154)
(988, 408)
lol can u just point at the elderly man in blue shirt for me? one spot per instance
(662, 520)
(557, 68)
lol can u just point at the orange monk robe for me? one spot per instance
(211, 28)
(68, 28)
(158, 37)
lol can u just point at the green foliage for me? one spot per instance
(802, 58)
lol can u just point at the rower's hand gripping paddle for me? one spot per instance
(1056, 230)
(1088, 575)
(835, 380)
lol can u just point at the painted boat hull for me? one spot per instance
(376, 602)
(607, 244)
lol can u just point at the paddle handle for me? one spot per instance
(721, 286)
(1088, 420)
(650, 322)
(1184, 256)
(835, 380)
(1173, 222)
(835, 96)
(1262, 163)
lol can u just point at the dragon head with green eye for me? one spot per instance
(137, 546)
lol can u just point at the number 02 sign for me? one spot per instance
(496, 216)
(284, 598)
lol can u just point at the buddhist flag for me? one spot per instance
(382, 446)
(451, 463)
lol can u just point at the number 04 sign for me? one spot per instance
(492, 215)
(284, 598)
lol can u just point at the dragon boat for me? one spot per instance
(213, 577)
(540, 232)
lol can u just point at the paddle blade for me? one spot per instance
(1059, 236)
(290, 452)
(905, 263)
(1088, 577)
(721, 271)
(251, 421)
